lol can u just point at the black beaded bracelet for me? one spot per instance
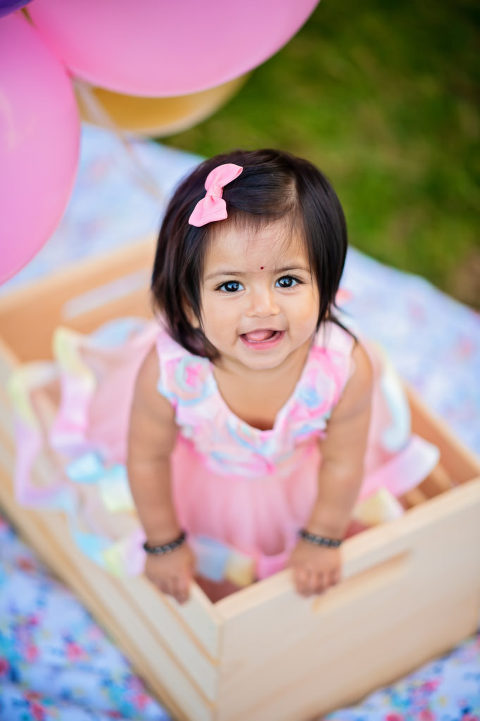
(165, 547)
(319, 540)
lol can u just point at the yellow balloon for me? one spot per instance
(151, 116)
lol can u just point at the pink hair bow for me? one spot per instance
(212, 206)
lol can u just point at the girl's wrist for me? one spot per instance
(163, 533)
(162, 548)
(331, 526)
(319, 539)
(331, 530)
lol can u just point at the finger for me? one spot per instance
(309, 582)
(316, 582)
(184, 587)
(174, 588)
(335, 577)
(300, 578)
(180, 588)
(321, 584)
(167, 587)
(162, 585)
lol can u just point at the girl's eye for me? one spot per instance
(287, 281)
(230, 286)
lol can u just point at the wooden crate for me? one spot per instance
(411, 588)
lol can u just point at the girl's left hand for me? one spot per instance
(314, 568)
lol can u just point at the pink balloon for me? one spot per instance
(166, 47)
(39, 142)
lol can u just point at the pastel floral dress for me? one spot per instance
(253, 489)
(240, 492)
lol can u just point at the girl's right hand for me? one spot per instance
(172, 572)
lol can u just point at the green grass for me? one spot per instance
(383, 97)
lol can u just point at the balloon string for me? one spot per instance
(100, 116)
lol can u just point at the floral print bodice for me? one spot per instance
(227, 443)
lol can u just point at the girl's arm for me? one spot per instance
(343, 451)
(340, 477)
(151, 439)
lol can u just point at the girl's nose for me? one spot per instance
(262, 304)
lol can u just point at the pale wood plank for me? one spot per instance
(48, 534)
(394, 576)
(459, 462)
(292, 698)
(413, 497)
(39, 306)
(198, 619)
(175, 626)
(438, 481)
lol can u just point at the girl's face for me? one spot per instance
(260, 303)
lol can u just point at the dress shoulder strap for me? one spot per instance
(183, 376)
(332, 338)
(332, 354)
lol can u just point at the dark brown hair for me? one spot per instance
(273, 185)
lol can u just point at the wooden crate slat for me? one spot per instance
(38, 307)
(164, 621)
(458, 461)
(199, 619)
(47, 532)
(277, 647)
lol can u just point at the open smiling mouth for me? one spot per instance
(265, 338)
